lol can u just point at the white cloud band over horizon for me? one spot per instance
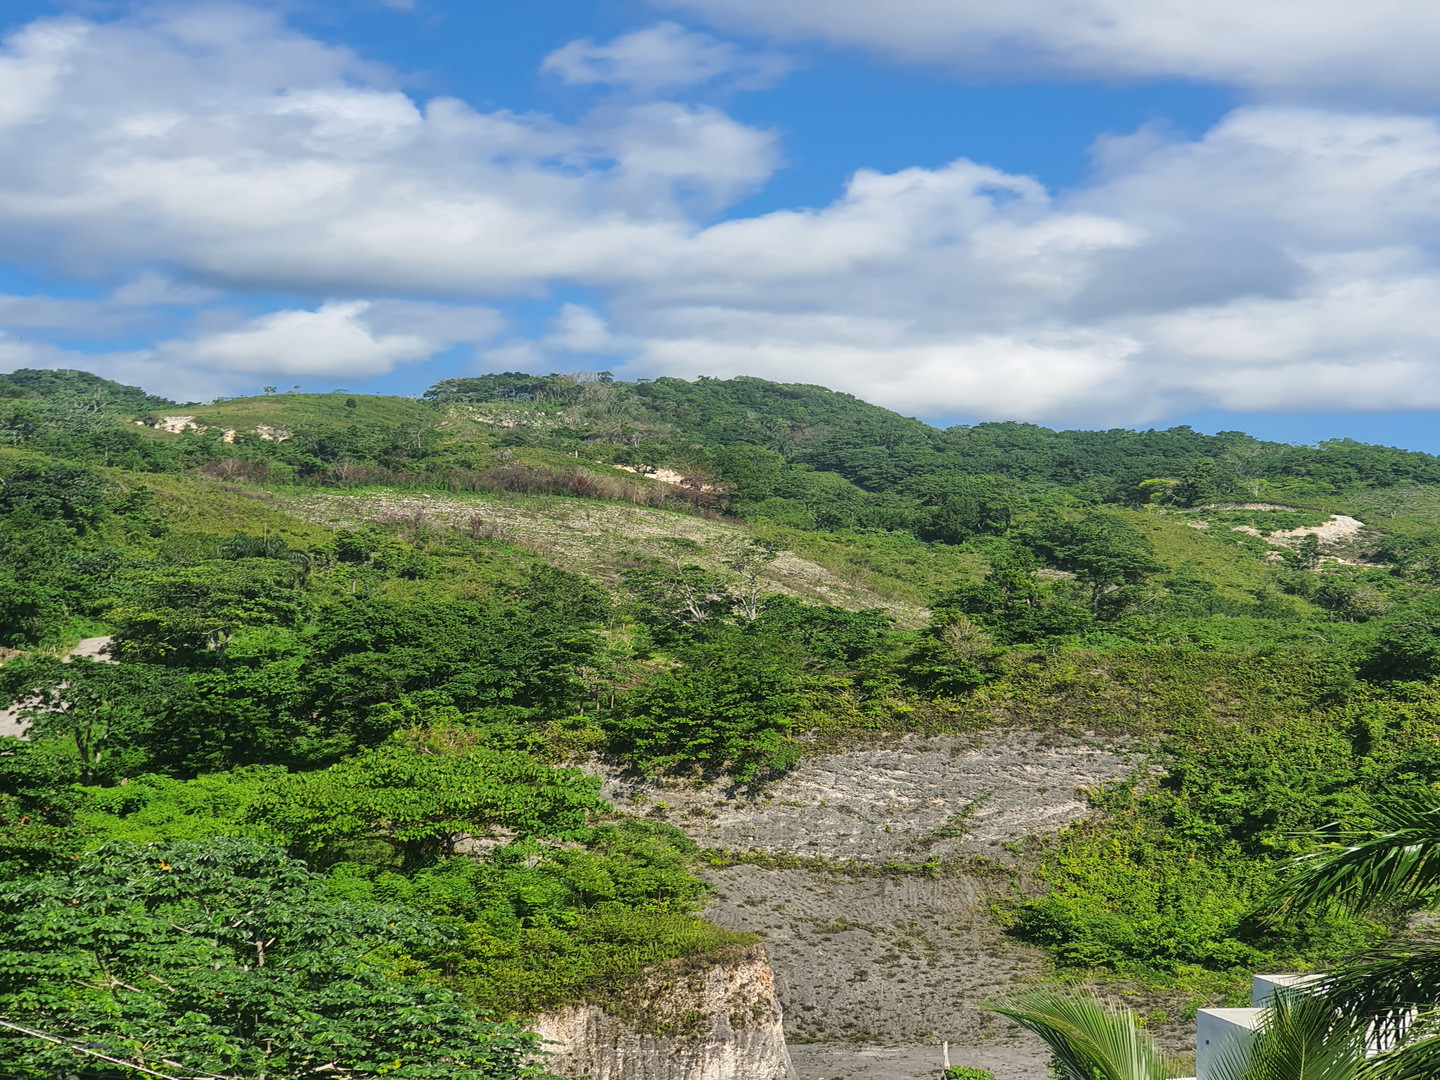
(204, 155)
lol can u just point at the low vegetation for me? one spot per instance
(359, 645)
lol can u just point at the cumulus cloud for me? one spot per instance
(129, 306)
(133, 368)
(356, 338)
(661, 57)
(1385, 46)
(1288, 258)
(226, 145)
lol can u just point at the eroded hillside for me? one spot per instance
(931, 714)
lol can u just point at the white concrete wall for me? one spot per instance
(1264, 987)
(1217, 1030)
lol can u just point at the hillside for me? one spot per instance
(585, 678)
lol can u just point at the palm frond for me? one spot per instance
(1386, 989)
(1090, 1040)
(1301, 1037)
(1418, 1059)
(1399, 859)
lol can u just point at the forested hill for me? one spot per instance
(351, 634)
(749, 433)
(880, 450)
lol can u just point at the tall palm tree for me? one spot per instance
(1393, 994)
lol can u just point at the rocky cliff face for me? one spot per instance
(864, 951)
(716, 1019)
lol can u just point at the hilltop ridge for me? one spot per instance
(731, 605)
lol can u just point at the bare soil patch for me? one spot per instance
(873, 968)
(906, 801)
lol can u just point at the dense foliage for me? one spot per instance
(230, 957)
(373, 719)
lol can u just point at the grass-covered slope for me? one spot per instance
(368, 634)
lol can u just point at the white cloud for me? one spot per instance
(133, 368)
(576, 331)
(1289, 258)
(1383, 46)
(127, 307)
(230, 147)
(661, 57)
(352, 338)
(579, 329)
(150, 289)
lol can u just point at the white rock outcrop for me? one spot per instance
(682, 1020)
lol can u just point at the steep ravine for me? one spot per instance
(874, 968)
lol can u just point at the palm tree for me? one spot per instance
(1301, 1037)
(1393, 994)
(1089, 1039)
(1390, 997)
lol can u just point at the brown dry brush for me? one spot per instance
(523, 479)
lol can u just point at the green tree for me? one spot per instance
(368, 651)
(225, 957)
(1088, 1039)
(1299, 1038)
(829, 636)
(105, 709)
(37, 807)
(1201, 484)
(421, 792)
(749, 563)
(678, 598)
(254, 707)
(55, 492)
(1347, 600)
(1415, 555)
(186, 615)
(960, 507)
(1013, 604)
(729, 704)
(1104, 552)
(1406, 651)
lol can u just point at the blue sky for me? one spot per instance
(1077, 212)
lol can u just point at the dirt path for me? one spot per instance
(1010, 1056)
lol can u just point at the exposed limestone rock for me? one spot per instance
(682, 1020)
(905, 801)
(881, 966)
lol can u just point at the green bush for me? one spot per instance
(543, 926)
(727, 706)
(1178, 871)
